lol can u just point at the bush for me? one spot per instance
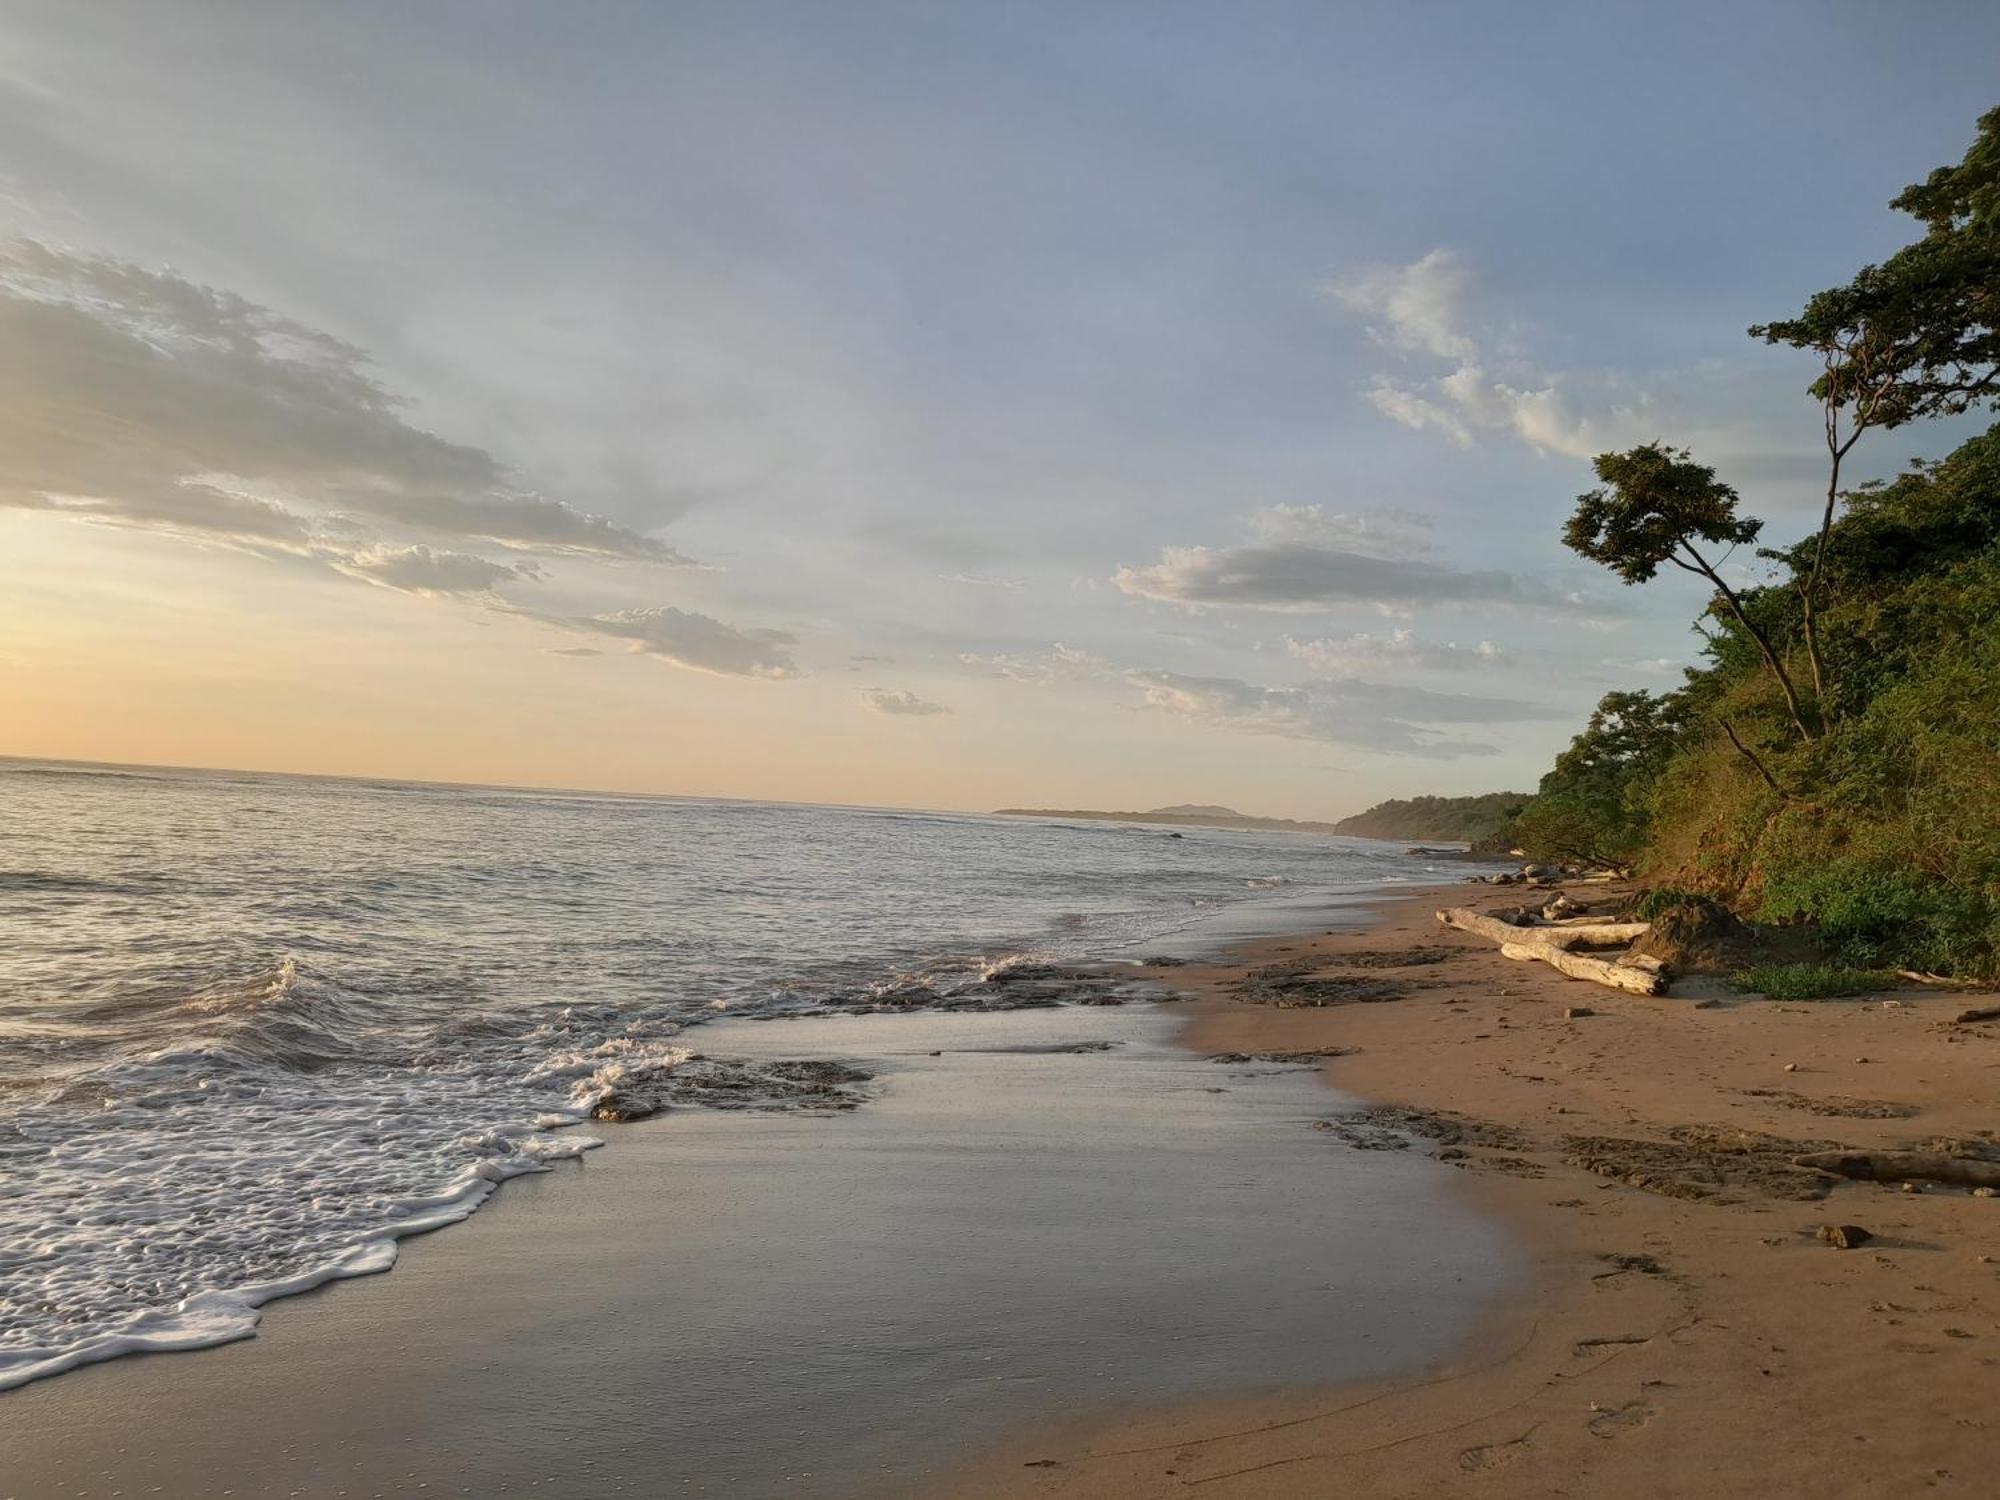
(1655, 904)
(1810, 981)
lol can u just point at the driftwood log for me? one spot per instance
(1983, 1013)
(1903, 1166)
(1640, 981)
(1584, 935)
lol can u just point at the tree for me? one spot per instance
(1917, 336)
(1656, 506)
(1591, 807)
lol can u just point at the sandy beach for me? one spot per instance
(1106, 1253)
(1685, 1332)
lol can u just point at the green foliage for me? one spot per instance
(1869, 810)
(1656, 502)
(1467, 819)
(1810, 981)
(1658, 902)
(1591, 807)
(1918, 335)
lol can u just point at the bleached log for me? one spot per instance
(1903, 1166)
(1597, 970)
(1596, 935)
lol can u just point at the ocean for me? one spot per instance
(255, 1028)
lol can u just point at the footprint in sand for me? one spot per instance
(1493, 1455)
(1618, 1421)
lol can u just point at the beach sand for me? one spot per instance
(1025, 1272)
(749, 1305)
(1666, 1346)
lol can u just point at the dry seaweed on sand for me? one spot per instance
(1702, 1163)
(1416, 956)
(1300, 991)
(1397, 1126)
(1837, 1106)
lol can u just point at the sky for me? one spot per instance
(939, 404)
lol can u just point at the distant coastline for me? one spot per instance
(1477, 821)
(1217, 817)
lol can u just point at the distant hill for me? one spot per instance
(1469, 819)
(1187, 815)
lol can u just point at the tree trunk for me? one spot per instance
(1904, 1166)
(1589, 934)
(1639, 981)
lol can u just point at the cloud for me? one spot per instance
(896, 701)
(185, 508)
(1650, 666)
(1383, 718)
(983, 581)
(1013, 668)
(697, 642)
(1420, 305)
(1376, 533)
(1422, 309)
(137, 398)
(1058, 661)
(421, 570)
(1301, 577)
(1399, 648)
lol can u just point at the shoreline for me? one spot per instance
(1681, 1330)
(863, 1294)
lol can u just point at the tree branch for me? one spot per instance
(1750, 755)
(1777, 667)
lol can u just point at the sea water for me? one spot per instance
(254, 1029)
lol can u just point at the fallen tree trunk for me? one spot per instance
(1597, 970)
(1903, 1166)
(1593, 935)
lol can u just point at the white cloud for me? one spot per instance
(1383, 718)
(137, 398)
(897, 701)
(1400, 648)
(1303, 578)
(697, 642)
(422, 570)
(1058, 661)
(1423, 308)
(983, 581)
(1421, 305)
(1376, 533)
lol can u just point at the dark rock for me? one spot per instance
(1844, 1236)
(1645, 1265)
(621, 1106)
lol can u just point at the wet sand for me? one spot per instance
(1684, 1332)
(750, 1305)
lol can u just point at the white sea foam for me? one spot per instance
(167, 1217)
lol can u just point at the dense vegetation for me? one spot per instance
(1471, 819)
(1835, 760)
